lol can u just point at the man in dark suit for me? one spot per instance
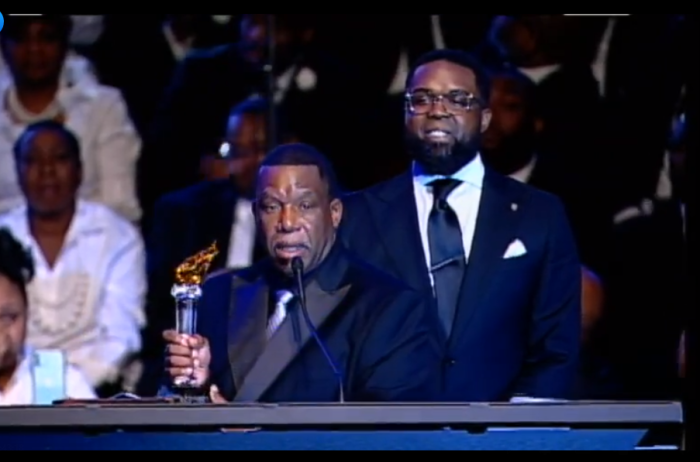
(498, 255)
(254, 344)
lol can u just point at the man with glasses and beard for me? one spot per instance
(497, 255)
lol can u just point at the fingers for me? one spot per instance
(216, 396)
(192, 341)
(177, 372)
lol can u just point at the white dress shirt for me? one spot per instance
(20, 390)
(464, 200)
(242, 240)
(90, 304)
(109, 143)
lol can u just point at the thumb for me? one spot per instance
(216, 396)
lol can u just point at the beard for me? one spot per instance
(441, 158)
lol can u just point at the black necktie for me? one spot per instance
(446, 252)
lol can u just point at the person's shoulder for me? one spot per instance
(211, 53)
(369, 278)
(221, 57)
(536, 199)
(377, 190)
(13, 216)
(225, 275)
(100, 215)
(191, 195)
(99, 94)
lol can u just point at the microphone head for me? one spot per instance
(297, 264)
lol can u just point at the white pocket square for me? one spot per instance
(515, 249)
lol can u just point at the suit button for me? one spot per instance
(450, 362)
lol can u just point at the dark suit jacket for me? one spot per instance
(186, 222)
(376, 329)
(517, 326)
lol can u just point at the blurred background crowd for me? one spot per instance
(168, 117)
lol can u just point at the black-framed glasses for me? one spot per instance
(422, 101)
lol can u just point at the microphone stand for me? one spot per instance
(270, 122)
(298, 269)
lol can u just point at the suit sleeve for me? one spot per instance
(400, 356)
(553, 348)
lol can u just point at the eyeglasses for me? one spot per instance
(421, 101)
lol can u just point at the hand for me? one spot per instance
(187, 356)
(215, 395)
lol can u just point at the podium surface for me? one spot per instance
(573, 426)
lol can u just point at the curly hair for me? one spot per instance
(16, 263)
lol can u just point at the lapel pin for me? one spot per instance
(514, 207)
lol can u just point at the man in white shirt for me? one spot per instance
(497, 255)
(17, 365)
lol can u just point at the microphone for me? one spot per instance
(298, 270)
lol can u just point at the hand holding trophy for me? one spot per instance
(187, 291)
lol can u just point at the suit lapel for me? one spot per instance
(247, 325)
(496, 227)
(396, 218)
(283, 347)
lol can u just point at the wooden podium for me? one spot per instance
(477, 426)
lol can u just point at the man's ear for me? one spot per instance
(336, 212)
(486, 115)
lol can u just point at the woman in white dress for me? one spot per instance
(88, 294)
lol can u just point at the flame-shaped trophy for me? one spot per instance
(187, 291)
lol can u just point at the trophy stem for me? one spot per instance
(186, 316)
(186, 298)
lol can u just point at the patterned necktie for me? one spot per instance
(283, 298)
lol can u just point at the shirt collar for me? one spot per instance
(472, 174)
(525, 173)
(83, 222)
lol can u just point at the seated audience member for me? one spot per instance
(87, 296)
(217, 209)
(511, 146)
(244, 143)
(16, 357)
(37, 88)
